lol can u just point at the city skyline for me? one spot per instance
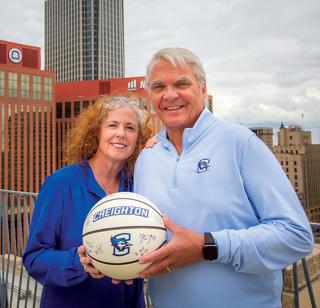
(261, 59)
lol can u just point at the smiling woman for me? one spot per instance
(101, 153)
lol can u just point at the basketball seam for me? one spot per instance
(124, 227)
(124, 263)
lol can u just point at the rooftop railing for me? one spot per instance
(18, 289)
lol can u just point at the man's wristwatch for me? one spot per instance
(209, 248)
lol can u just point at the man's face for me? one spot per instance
(176, 95)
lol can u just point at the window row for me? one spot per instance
(25, 86)
(287, 163)
(64, 110)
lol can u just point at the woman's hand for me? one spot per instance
(90, 269)
(151, 142)
(87, 265)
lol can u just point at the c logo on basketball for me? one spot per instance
(120, 243)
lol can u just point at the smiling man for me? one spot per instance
(234, 220)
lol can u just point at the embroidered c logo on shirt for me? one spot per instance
(203, 165)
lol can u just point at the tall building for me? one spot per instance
(265, 134)
(300, 159)
(84, 40)
(27, 119)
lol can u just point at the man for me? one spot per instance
(234, 220)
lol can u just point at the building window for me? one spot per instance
(76, 109)
(68, 110)
(59, 110)
(48, 88)
(1, 83)
(25, 86)
(295, 170)
(286, 163)
(143, 102)
(290, 137)
(295, 177)
(13, 84)
(296, 184)
(295, 162)
(287, 169)
(36, 88)
(86, 104)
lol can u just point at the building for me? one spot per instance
(73, 97)
(210, 102)
(84, 40)
(300, 159)
(26, 119)
(265, 134)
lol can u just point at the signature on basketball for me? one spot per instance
(141, 252)
(88, 221)
(147, 238)
(93, 248)
(89, 246)
(98, 249)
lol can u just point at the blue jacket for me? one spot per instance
(55, 234)
(226, 181)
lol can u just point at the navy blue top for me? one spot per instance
(56, 233)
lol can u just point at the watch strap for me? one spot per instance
(208, 238)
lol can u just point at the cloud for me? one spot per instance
(22, 22)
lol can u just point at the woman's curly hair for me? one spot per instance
(83, 138)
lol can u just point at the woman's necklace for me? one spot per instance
(108, 188)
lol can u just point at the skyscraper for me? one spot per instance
(84, 39)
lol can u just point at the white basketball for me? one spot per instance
(120, 229)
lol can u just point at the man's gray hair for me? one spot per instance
(178, 57)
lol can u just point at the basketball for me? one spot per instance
(119, 229)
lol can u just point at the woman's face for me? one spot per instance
(118, 134)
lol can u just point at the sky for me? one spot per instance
(262, 58)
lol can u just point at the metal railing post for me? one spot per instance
(308, 281)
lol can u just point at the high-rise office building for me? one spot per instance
(27, 118)
(300, 159)
(84, 39)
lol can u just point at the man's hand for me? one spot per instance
(184, 249)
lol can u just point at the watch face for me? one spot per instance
(210, 252)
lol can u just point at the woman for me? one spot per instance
(102, 149)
